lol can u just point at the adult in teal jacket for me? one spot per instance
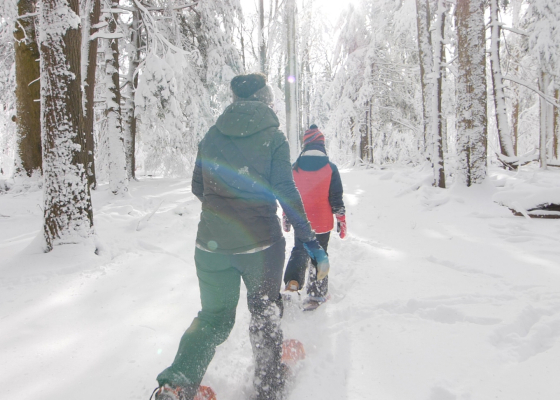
(242, 169)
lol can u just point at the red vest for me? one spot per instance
(314, 188)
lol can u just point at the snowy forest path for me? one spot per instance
(435, 294)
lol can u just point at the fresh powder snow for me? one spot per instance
(435, 295)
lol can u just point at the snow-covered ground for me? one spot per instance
(436, 295)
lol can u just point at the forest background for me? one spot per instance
(99, 91)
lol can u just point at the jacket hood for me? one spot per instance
(312, 161)
(245, 118)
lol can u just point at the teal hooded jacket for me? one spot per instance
(242, 168)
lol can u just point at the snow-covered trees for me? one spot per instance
(544, 41)
(112, 136)
(502, 122)
(67, 202)
(373, 110)
(393, 81)
(471, 92)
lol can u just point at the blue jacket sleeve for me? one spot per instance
(336, 192)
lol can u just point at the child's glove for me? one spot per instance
(317, 253)
(341, 225)
(285, 223)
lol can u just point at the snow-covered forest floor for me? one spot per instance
(436, 295)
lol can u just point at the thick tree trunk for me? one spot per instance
(118, 181)
(129, 108)
(28, 92)
(68, 216)
(556, 125)
(89, 89)
(437, 133)
(471, 92)
(506, 144)
(426, 67)
(291, 82)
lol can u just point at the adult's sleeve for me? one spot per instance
(197, 184)
(284, 188)
(336, 192)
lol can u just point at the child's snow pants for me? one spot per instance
(297, 265)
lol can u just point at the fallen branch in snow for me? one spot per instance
(512, 163)
(550, 211)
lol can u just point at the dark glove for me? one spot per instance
(285, 223)
(341, 225)
(317, 253)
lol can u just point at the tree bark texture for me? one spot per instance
(68, 216)
(89, 91)
(544, 82)
(506, 143)
(556, 130)
(514, 52)
(130, 117)
(28, 92)
(114, 141)
(471, 92)
(426, 66)
(366, 145)
(436, 116)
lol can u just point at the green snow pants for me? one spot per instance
(219, 279)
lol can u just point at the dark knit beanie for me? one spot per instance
(244, 86)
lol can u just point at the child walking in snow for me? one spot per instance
(320, 186)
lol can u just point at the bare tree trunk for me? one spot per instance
(89, 89)
(544, 82)
(28, 92)
(471, 92)
(118, 181)
(437, 135)
(291, 88)
(556, 125)
(515, 53)
(262, 45)
(68, 215)
(506, 144)
(515, 120)
(130, 118)
(426, 67)
(202, 48)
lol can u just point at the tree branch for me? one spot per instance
(549, 99)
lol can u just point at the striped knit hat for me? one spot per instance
(313, 135)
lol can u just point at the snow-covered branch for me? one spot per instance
(549, 99)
